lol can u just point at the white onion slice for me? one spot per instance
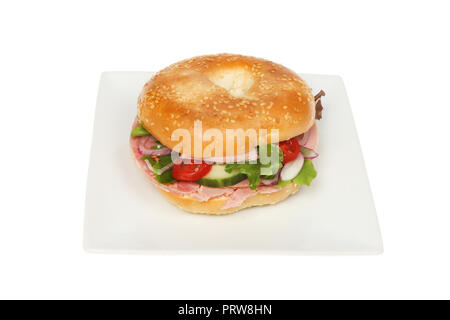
(149, 165)
(292, 168)
(160, 171)
(164, 169)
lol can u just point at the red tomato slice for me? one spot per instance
(190, 171)
(290, 149)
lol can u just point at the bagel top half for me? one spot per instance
(226, 91)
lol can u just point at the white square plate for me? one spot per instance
(126, 214)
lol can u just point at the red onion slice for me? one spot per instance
(146, 143)
(154, 152)
(308, 153)
(271, 182)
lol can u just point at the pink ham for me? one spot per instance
(134, 144)
(242, 184)
(267, 189)
(142, 144)
(238, 197)
(206, 193)
(309, 139)
(183, 187)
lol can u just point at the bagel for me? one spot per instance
(226, 91)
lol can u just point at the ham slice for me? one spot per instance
(242, 184)
(238, 197)
(206, 193)
(143, 144)
(267, 189)
(183, 187)
(309, 139)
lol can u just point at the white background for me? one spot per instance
(393, 56)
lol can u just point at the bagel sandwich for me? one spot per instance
(219, 133)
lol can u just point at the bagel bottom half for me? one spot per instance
(214, 206)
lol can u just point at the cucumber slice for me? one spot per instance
(217, 177)
(269, 177)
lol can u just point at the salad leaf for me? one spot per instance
(139, 131)
(306, 175)
(158, 146)
(255, 170)
(272, 167)
(252, 170)
(158, 162)
(273, 176)
(283, 183)
(166, 177)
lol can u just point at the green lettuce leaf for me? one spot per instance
(252, 170)
(166, 177)
(271, 168)
(255, 170)
(139, 131)
(304, 177)
(158, 163)
(283, 183)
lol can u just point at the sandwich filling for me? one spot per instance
(237, 179)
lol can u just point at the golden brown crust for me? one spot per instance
(214, 206)
(226, 91)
